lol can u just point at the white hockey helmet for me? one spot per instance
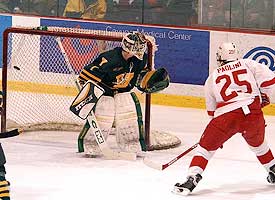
(226, 52)
(134, 43)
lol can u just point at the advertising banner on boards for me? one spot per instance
(185, 53)
(6, 21)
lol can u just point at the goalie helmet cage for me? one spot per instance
(38, 83)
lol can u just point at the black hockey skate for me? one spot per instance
(188, 186)
(271, 175)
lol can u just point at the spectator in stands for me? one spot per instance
(51, 7)
(86, 9)
(258, 13)
(11, 6)
(181, 12)
(124, 10)
(4, 6)
(216, 12)
(237, 13)
(40, 7)
(34, 7)
(154, 10)
(61, 7)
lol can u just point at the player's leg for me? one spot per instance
(127, 124)
(255, 138)
(218, 131)
(104, 113)
(83, 106)
(4, 184)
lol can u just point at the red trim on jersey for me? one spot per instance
(211, 113)
(268, 83)
(199, 161)
(266, 158)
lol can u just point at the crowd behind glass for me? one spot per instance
(255, 14)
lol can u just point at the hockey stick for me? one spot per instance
(11, 133)
(158, 166)
(106, 150)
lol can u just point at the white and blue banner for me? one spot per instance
(6, 21)
(185, 53)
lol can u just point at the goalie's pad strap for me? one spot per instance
(81, 136)
(140, 121)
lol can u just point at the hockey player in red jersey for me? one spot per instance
(235, 94)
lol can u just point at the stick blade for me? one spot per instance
(11, 133)
(152, 164)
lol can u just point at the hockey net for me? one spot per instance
(38, 85)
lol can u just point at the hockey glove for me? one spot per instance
(154, 81)
(86, 99)
(265, 100)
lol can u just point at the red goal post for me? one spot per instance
(36, 83)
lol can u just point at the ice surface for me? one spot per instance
(45, 166)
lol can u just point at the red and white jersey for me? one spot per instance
(235, 85)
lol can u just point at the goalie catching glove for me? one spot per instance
(154, 81)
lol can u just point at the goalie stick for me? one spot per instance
(107, 152)
(159, 166)
(11, 133)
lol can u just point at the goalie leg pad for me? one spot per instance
(104, 113)
(126, 119)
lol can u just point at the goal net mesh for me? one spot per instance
(40, 85)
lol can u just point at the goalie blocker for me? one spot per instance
(86, 99)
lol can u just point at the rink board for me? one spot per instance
(188, 54)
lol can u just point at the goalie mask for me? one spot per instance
(227, 52)
(154, 81)
(134, 43)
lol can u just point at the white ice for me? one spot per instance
(45, 166)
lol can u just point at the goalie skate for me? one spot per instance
(188, 186)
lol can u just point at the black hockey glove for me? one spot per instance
(154, 81)
(265, 100)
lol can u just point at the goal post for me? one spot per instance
(37, 85)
